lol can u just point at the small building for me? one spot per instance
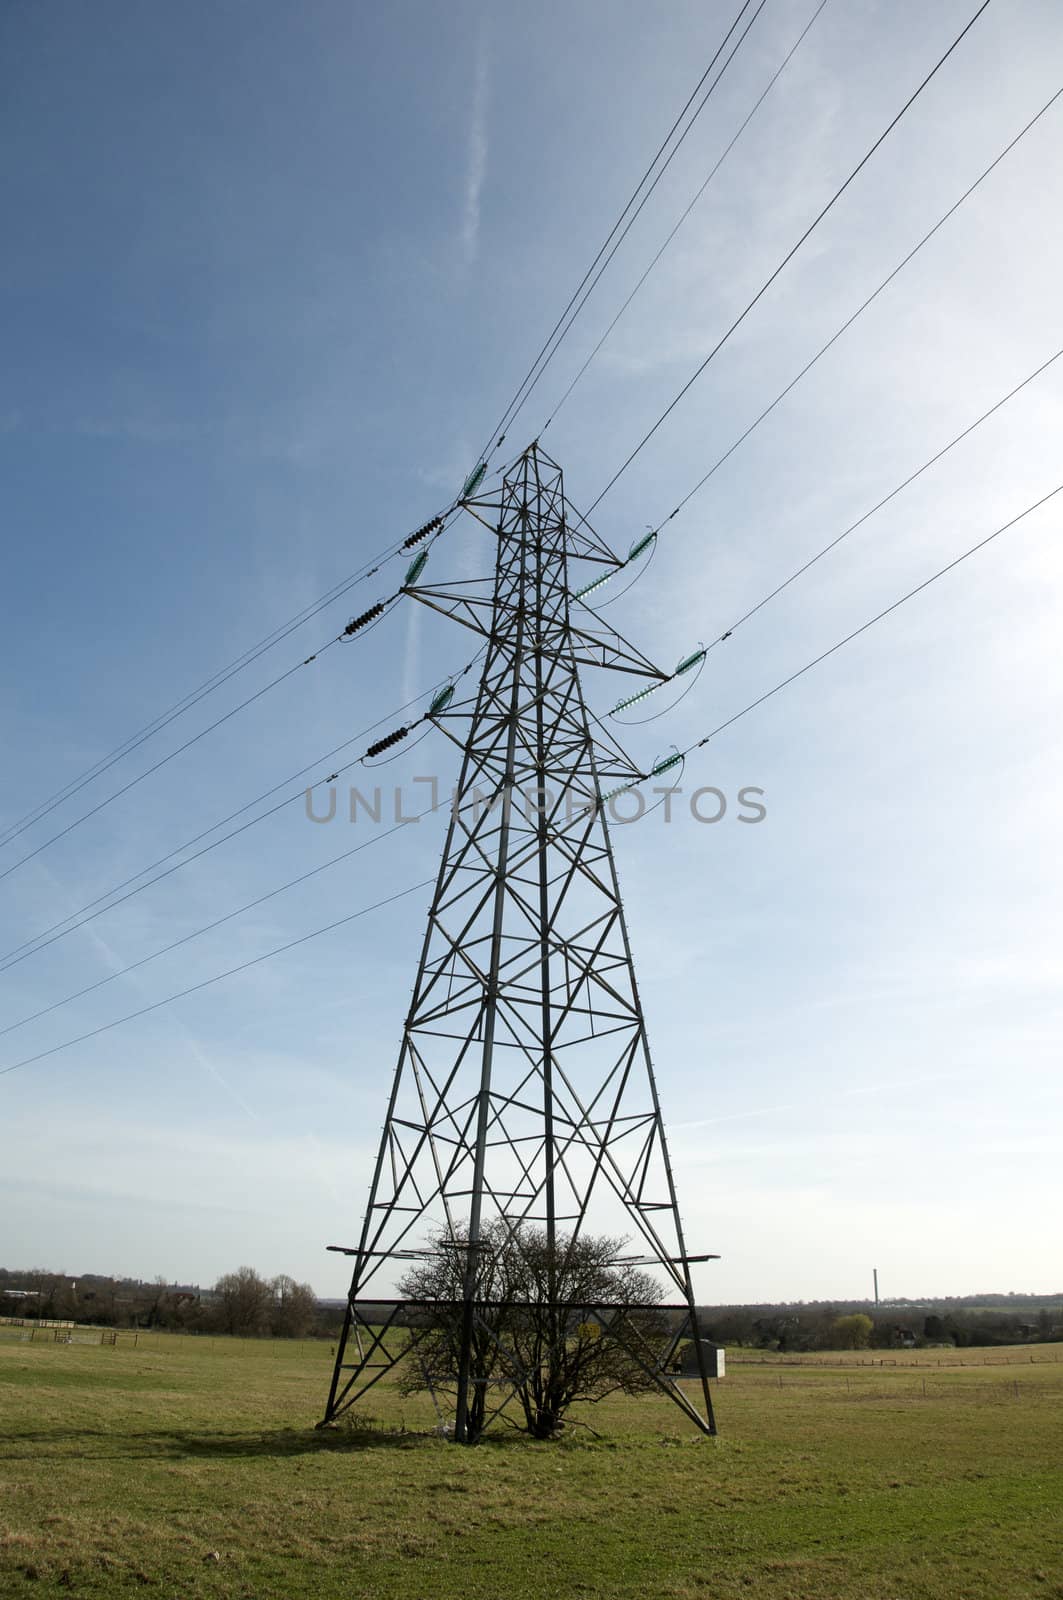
(713, 1355)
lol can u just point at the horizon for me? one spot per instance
(898, 1301)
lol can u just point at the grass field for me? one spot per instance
(189, 1467)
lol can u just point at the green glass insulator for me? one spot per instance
(633, 699)
(595, 583)
(690, 661)
(665, 765)
(474, 480)
(414, 570)
(640, 545)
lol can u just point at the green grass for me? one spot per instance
(189, 1467)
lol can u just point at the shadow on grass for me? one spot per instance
(282, 1442)
(179, 1445)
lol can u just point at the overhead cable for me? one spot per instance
(114, 898)
(805, 566)
(148, 771)
(872, 297)
(766, 285)
(353, 627)
(122, 972)
(546, 353)
(217, 679)
(218, 977)
(772, 81)
(659, 768)
(870, 623)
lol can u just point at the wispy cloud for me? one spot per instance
(140, 428)
(477, 161)
(135, 987)
(411, 658)
(293, 444)
(204, 1061)
(906, 1083)
(733, 1116)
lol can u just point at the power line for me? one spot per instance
(222, 676)
(873, 296)
(965, 433)
(772, 81)
(805, 567)
(848, 323)
(218, 977)
(370, 568)
(766, 285)
(148, 771)
(52, 935)
(373, 614)
(221, 823)
(253, 653)
(592, 285)
(209, 927)
(870, 623)
(865, 517)
(520, 396)
(425, 883)
(6, 959)
(215, 681)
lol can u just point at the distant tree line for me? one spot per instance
(240, 1303)
(821, 1326)
(246, 1304)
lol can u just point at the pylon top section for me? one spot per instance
(539, 540)
(535, 474)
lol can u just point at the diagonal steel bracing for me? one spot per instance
(524, 1091)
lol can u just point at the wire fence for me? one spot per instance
(858, 1390)
(817, 1363)
(31, 1331)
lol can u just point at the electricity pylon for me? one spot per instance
(524, 1095)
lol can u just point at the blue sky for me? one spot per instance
(271, 274)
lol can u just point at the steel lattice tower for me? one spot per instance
(524, 1092)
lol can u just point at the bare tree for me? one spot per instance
(157, 1303)
(294, 1310)
(554, 1326)
(244, 1301)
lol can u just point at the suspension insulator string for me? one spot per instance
(386, 743)
(422, 533)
